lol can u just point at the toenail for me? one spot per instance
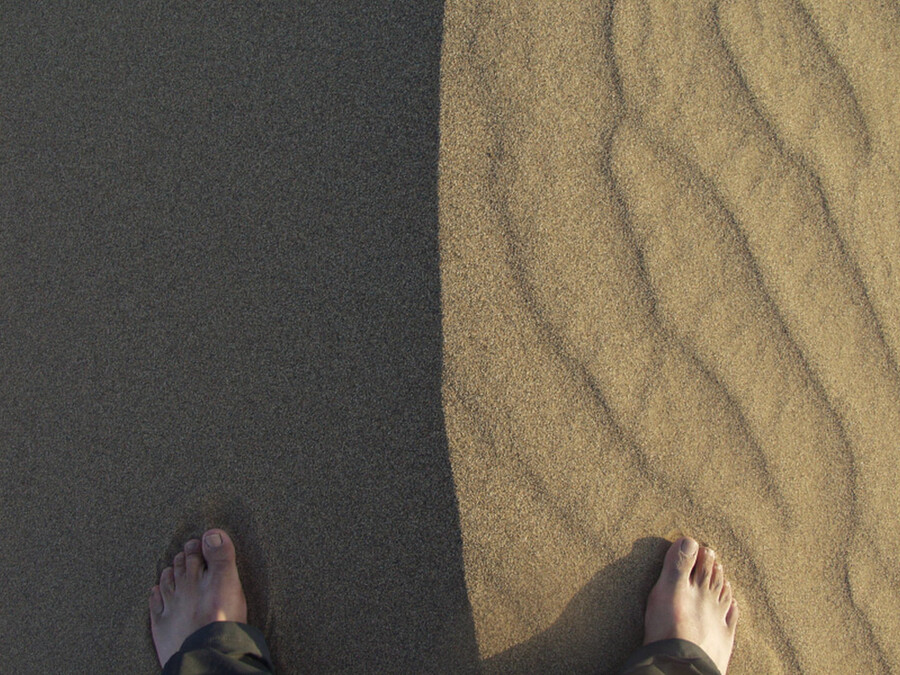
(192, 546)
(689, 546)
(214, 540)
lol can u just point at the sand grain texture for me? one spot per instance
(670, 258)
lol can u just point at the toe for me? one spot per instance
(717, 580)
(218, 549)
(680, 560)
(731, 618)
(704, 569)
(193, 558)
(726, 596)
(179, 566)
(167, 583)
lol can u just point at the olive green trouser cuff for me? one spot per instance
(222, 648)
(670, 657)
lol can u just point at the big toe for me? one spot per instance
(218, 549)
(680, 560)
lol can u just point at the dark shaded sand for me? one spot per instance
(670, 241)
(220, 306)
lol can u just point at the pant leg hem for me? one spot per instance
(231, 640)
(675, 651)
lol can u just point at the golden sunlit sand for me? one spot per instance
(670, 258)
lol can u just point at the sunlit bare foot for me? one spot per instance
(202, 588)
(692, 601)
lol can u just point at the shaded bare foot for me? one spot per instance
(692, 601)
(203, 587)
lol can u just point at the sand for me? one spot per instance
(453, 316)
(670, 263)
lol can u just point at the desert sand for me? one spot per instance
(670, 265)
(453, 316)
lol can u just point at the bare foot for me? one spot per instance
(692, 601)
(203, 588)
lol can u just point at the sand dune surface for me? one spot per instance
(670, 259)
